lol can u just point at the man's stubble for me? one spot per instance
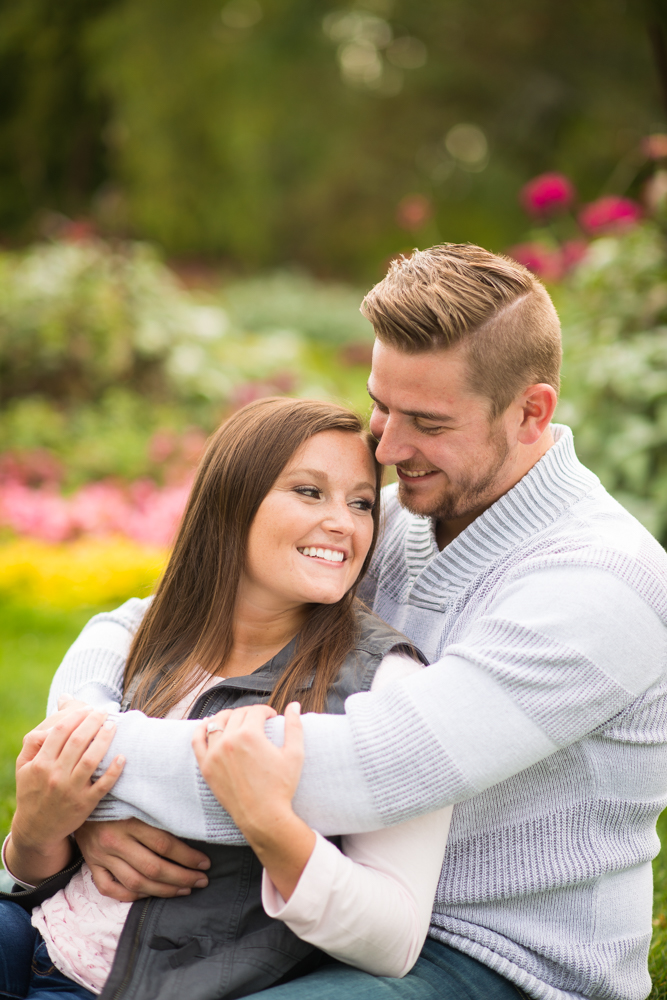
(472, 493)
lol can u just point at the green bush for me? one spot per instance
(614, 392)
(101, 347)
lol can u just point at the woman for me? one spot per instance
(256, 605)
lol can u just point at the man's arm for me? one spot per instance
(555, 657)
(92, 669)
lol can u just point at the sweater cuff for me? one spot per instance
(26, 885)
(307, 903)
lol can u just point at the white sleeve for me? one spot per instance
(369, 906)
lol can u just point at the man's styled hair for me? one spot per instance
(459, 293)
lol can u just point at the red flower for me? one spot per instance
(545, 263)
(547, 195)
(610, 214)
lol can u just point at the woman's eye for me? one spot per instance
(365, 505)
(308, 491)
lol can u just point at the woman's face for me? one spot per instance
(312, 532)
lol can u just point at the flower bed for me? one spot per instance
(87, 572)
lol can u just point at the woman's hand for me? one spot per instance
(55, 792)
(255, 781)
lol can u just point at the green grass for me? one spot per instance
(32, 643)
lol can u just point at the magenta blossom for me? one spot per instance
(547, 195)
(543, 262)
(610, 214)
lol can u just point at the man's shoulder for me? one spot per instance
(600, 527)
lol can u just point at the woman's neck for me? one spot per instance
(260, 631)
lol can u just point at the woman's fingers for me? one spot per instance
(293, 729)
(250, 717)
(106, 782)
(200, 744)
(76, 750)
(61, 731)
(32, 744)
(93, 752)
(64, 713)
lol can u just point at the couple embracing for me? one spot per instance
(466, 808)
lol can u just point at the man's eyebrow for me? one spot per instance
(442, 418)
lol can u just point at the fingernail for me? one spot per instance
(200, 883)
(109, 724)
(296, 707)
(204, 864)
(120, 759)
(182, 892)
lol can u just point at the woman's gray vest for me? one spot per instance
(218, 942)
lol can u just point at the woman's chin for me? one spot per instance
(323, 595)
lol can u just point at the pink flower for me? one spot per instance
(38, 513)
(572, 252)
(414, 211)
(547, 195)
(610, 214)
(654, 147)
(545, 263)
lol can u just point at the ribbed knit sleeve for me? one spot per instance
(92, 669)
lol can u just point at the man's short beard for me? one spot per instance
(470, 494)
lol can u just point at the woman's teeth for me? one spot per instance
(329, 554)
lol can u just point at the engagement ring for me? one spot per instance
(213, 727)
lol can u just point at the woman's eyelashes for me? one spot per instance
(315, 493)
(364, 505)
(308, 491)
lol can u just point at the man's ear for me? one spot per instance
(538, 403)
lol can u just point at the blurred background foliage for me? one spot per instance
(193, 199)
(259, 133)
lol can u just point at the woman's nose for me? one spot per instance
(340, 519)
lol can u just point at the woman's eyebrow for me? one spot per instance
(321, 474)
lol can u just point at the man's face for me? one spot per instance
(452, 461)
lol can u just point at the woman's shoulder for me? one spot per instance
(378, 638)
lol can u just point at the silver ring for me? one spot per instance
(213, 727)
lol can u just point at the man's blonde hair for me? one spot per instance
(459, 293)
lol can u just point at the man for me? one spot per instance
(541, 605)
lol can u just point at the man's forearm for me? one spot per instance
(161, 783)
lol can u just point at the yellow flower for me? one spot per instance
(89, 571)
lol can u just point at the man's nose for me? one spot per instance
(394, 446)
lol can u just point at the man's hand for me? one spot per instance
(128, 860)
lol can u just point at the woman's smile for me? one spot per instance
(329, 555)
(309, 538)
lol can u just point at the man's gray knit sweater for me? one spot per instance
(543, 715)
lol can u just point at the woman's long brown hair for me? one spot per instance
(188, 630)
